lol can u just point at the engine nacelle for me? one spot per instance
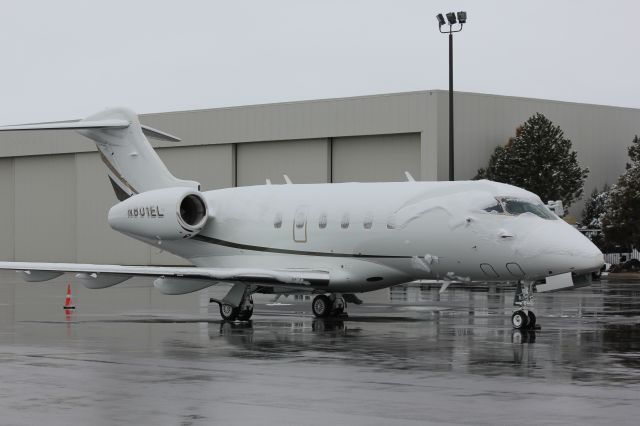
(161, 214)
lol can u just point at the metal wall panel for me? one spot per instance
(6, 209)
(362, 115)
(211, 165)
(45, 208)
(96, 241)
(304, 161)
(376, 158)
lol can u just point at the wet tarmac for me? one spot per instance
(129, 355)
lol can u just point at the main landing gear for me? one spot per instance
(237, 305)
(241, 313)
(332, 305)
(524, 318)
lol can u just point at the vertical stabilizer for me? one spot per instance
(132, 164)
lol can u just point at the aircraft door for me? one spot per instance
(300, 225)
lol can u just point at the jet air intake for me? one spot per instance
(161, 214)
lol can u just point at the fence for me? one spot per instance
(615, 258)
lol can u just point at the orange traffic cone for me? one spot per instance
(68, 303)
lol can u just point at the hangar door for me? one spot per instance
(376, 158)
(304, 161)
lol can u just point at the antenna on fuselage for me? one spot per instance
(268, 181)
(409, 177)
(287, 180)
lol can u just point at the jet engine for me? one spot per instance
(161, 214)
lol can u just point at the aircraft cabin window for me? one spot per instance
(368, 221)
(322, 221)
(344, 223)
(516, 207)
(300, 219)
(277, 222)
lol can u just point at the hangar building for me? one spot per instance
(55, 192)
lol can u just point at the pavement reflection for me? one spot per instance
(130, 355)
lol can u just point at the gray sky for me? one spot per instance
(67, 59)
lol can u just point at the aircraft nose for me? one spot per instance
(579, 253)
(564, 249)
(589, 260)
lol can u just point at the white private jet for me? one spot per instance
(332, 240)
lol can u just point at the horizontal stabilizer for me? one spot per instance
(149, 132)
(70, 125)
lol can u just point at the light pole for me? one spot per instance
(461, 20)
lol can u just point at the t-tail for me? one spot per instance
(132, 164)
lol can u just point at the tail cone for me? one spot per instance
(68, 303)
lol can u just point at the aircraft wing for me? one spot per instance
(38, 271)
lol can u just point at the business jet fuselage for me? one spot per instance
(327, 239)
(374, 235)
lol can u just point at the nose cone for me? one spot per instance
(558, 248)
(594, 259)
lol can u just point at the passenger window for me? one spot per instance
(300, 219)
(322, 221)
(368, 221)
(277, 221)
(344, 223)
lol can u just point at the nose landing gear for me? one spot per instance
(524, 318)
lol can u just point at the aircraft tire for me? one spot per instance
(519, 320)
(321, 306)
(245, 315)
(228, 312)
(532, 320)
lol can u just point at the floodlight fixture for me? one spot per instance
(451, 17)
(462, 17)
(441, 20)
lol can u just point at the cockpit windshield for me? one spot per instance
(495, 208)
(515, 207)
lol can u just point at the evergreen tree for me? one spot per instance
(621, 221)
(538, 159)
(595, 208)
